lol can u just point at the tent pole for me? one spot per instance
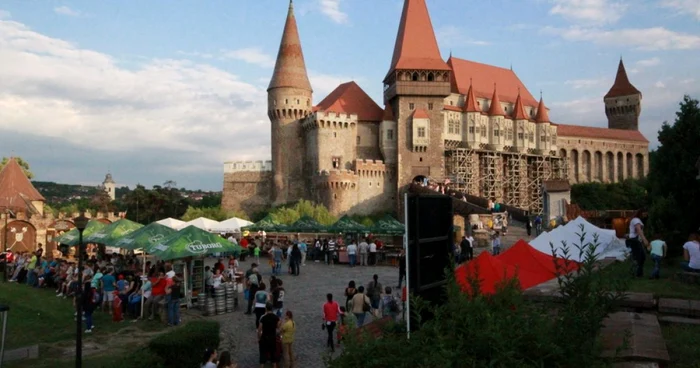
(143, 277)
(407, 307)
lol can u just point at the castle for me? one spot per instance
(474, 124)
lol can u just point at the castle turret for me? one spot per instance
(109, 186)
(289, 100)
(496, 121)
(623, 103)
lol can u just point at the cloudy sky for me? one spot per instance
(168, 90)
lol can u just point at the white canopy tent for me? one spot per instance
(232, 225)
(608, 245)
(202, 223)
(171, 223)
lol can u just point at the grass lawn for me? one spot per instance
(37, 316)
(682, 343)
(666, 286)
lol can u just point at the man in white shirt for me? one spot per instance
(352, 253)
(691, 254)
(637, 242)
(364, 249)
(330, 256)
(373, 253)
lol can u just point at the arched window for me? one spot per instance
(414, 77)
(431, 77)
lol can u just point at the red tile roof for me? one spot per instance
(601, 133)
(15, 188)
(290, 69)
(388, 113)
(496, 109)
(420, 114)
(470, 104)
(452, 108)
(622, 85)
(467, 73)
(416, 46)
(542, 113)
(519, 110)
(349, 98)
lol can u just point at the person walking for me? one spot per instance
(374, 292)
(303, 247)
(174, 294)
(268, 325)
(90, 300)
(350, 291)
(360, 305)
(637, 243)
(288, 330)
(496, 243)
(402, 267)
(262, 298)
(373, 253)
(253, 281)
(657, 249)
(352, 253)
(331, 311)
(364, 249)
(296, 259)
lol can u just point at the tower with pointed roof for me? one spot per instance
(415, 88)
(289, 101)
(109, 186)
(623, 102)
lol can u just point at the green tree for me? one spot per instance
(23, 164)
(212, 213)
(630, 194)
(290, 214)
(211, 200)
(674, 189)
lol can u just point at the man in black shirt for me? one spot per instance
(267, 337)
(465, 249)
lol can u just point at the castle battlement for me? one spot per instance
(370, 168)
(243, 166)
(330, 120)
(336, 179)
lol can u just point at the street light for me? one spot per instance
(80, 223)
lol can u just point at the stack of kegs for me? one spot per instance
(230, 297)
(220, 299)
(209, 307)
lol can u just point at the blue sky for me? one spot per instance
(168, 90)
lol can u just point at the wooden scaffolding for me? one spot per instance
(461, 167)
(516, 190)
(491, 168)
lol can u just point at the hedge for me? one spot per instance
(185, 346)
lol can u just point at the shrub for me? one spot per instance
(499, 330)
(142, 358)
(184, 346)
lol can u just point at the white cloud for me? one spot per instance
(452, 36)
(251, 55)
(690, 7)
(585, 83)
(648, 62)
(4, 14)
(64, 10)
(589, 11)
(688, 81)
(331, 8)
(659, 84)
(196, 54)
(646, 39)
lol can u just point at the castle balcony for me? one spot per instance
(247, 166)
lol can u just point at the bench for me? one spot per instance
(688, 277)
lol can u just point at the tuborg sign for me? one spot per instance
(197, 247)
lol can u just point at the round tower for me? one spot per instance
(289, 100)
(623, 103)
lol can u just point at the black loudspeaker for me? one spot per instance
(430, 230)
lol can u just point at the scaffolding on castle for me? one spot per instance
(491, 176)
(462, 171)
(516, 190)
(540, 170)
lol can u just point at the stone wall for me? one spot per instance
(247, 191)
(601, 160)
(337, 190)
(376, 190)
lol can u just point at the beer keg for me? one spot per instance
(210, 308)
(230, 295)
(220, 300)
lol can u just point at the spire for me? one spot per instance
(622, 85)
(470, 104)
(388, 113)
(542, 114)
(416, 46)
(519, 111)
(496, 109)
(290, 69)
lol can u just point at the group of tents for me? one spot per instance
(385, 226)
(549, 255)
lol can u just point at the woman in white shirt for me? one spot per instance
(691, 254)
(637, 243)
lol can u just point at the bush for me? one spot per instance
(142, 358)
(500, 330)
(184, 346)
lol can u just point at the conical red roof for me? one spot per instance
(290, 69)
(416, 46)
(542, 113)
(388, 113)
(496, 109)
(622, 85)
(16, 191)
(420, 114)
(470, 104)
(349, 98)
(519, 111)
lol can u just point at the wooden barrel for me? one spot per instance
(620, 225)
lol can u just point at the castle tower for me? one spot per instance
(288, 101)
(109, 186)
(415, 88)
(623, 103)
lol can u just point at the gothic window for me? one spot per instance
(509, 134)
(336, 162)
(531, 137)
(431, 77)
(543, 138)
(496, 133)
(430, 106)
(457, 127)
(471, 130)
(554, 139)
(421, 132)
(521, 136)
(390, 134)
(483, 131)
(411, 106)
(414, 77)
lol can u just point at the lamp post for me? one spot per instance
(80, 223)
(4, 246)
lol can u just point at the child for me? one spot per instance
(90, 301)
(657, 248)
(347, 323)
(496, 243)
(116, 307)
(256, 253)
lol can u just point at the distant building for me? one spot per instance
(109, 186)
